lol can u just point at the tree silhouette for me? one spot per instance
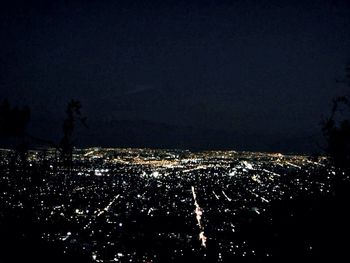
(73, 116)
(13, 121)
(13, 124)
(336, 130)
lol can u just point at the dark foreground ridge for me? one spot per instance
(142, 205)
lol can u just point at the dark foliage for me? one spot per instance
(336, 129)
(20, 231)
(73, 116)
(13, 120)
(13, 125)
(310, 227)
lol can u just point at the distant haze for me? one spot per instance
(255, 75)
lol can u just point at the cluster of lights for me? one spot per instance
(111, 193)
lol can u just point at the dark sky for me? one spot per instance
(194, 74)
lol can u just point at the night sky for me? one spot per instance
(254, 75)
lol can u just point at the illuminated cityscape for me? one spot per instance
(145, 205)
(174, 131)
